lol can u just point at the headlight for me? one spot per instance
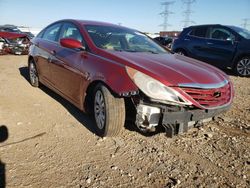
(155, 89)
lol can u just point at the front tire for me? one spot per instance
(34, 81)
(242, 66)
(109, 112)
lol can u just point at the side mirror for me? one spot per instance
(72, 43)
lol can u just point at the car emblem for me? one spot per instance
(217, 94)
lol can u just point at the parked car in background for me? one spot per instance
(219, 45)
(165, 41)
(14, 43)
(116, 72)
(15, 29)
(9, 28)
(29, 34)
(3, 46)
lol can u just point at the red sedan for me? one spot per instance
(116, 72)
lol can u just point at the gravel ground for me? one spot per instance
(52, 144)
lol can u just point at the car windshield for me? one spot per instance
(122, 39)
(243, 32)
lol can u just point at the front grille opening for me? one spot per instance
(210, 97)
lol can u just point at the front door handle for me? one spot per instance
(209, 43)
(53, 52)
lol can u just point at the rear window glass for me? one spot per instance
(199, 32)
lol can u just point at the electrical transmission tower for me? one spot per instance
(187, 13)
(165, 14)
(245, 23)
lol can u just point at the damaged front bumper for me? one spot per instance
(174, 122)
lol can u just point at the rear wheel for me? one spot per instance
(242, 66)
(109, 112)
(181, 52)
(34, 81)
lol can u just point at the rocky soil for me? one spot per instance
(52, 144)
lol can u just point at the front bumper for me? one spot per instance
(180, 122)
(175, 120)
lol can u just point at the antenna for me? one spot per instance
(165, 14)
(245, 23)
(187, 21)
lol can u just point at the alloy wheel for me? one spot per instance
(243, 67)
(99, 109)
(33, 73)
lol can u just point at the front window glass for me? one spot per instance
(52, 32)
(122, 39)
(70, 31)
(243, 32)
(221, 34)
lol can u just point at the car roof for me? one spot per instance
(90, 22)
(207, 25)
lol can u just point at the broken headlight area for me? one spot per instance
(155, 89)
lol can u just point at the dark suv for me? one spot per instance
(221, 46)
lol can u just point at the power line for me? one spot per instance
(165, 14)
(187, 13)
(245, 23)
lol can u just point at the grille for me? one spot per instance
(210, 97)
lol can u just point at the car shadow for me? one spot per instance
(229, 72)
(3, 137)
(81, 117)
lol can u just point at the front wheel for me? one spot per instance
(242, 66)
(34, 81)
(109, 112)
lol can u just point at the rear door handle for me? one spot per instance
(187, 39)
(209, 43)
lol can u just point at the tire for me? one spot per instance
(181, 52)
(242, 66)
(109, 112)
(34, 81)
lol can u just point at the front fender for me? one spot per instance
(113, 74)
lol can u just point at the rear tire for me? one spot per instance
(33, 74)
(181, 52)
(109, 112)
(242, 66)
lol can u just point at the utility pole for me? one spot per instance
(245, 23)
(165, 14)
(188, 11)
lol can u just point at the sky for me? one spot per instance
(142, 15)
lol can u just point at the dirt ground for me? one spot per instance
(52, 144)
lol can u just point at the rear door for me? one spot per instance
(195, 41)
(221, 46)
(44, 46)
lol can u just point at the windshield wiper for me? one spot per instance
(153, 52)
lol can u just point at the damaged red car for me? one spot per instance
(14, 43)
(117, 73)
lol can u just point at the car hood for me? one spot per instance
(172, 69)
